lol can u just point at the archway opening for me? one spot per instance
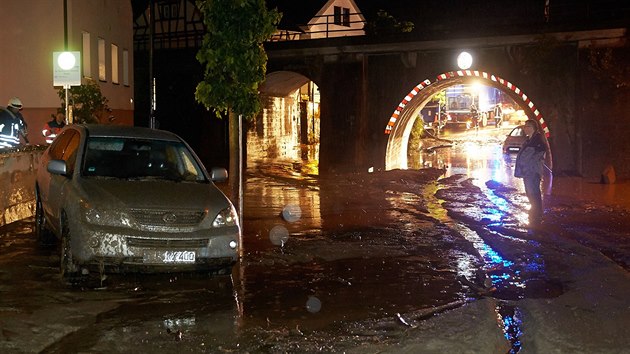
(287, 130)
(399, 128)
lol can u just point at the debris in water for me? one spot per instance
(479, 289)
(298, 331)
(402, 320)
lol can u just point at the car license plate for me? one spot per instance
(169, 257)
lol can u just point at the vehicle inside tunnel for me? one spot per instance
(462, 106)
(464, 112)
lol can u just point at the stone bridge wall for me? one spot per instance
(577, 81)
(17, 177)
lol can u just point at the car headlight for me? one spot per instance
(226, 217)
(104, 217)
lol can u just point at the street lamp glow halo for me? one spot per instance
(66, 60)
(464, 60)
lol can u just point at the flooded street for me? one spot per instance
(438, 259)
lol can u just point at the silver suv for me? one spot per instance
(125, 198)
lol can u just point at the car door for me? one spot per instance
(55, 151)
(54, 193)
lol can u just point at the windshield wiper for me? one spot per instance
(142, 178)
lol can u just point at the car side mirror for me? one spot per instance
(218, 174)
(57, 167)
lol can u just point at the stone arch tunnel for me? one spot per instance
(361, 83)
(287, 130)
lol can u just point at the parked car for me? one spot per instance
(514, 140)
(133, 199)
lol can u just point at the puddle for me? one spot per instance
(510, 318)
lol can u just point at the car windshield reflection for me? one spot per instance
(137, 159)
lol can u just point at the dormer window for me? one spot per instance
(342, 16)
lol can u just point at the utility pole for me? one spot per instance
(151, 78)
(65, 48)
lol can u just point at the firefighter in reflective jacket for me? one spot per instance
(12, 124)
(52, 128)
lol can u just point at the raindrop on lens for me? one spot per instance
(279, 235)
(313, 305)
(292, 213)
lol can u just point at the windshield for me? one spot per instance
(130, 158)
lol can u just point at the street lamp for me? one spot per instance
(66, 72)
(66, 60)
(464, 60)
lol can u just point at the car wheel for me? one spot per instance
(44, 235)
(68, 268)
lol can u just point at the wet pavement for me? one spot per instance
(432, 260)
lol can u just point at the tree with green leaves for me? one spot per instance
(384, 24)
(87, 101)
(235, 63)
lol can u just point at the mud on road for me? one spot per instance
(380, 262)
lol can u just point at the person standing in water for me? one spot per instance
(530, 164)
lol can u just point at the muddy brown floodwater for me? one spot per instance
(363, 245)
(329, 264)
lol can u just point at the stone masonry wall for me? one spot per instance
(17, 177)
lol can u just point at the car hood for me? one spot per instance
(122, 194)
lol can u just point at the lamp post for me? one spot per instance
(66, 72)
(66, 65)
(66, 61)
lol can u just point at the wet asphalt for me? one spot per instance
(328, 264)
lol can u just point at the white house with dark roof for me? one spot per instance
(317, 19)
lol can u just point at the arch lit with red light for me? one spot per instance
(473, 74)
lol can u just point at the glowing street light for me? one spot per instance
(66, 73)
(66, 60)
(464, 60)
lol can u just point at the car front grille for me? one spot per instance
(168, 243)
(152, 217)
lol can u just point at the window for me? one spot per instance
(87, 68)
(342, 16)
(59, 145)
(125, 67)
(137, 158)
(168, 11)
(102, 73)
(70, 154)
(115, 64)
(65, 147)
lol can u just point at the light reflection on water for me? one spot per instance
(475, 159)
(270, 203)
(483, 163)
(312, 249)
(320, 209)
